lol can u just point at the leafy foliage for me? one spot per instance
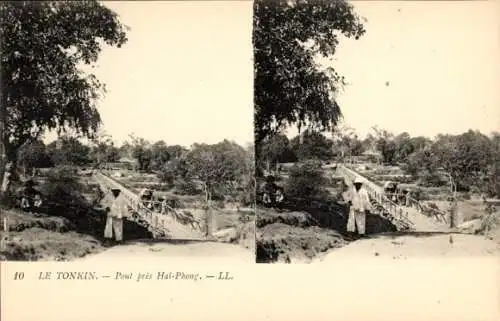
(313, 145)
(384, 143)
(34, 155)
(69, 151)
(469, 162)
(290, 86)
(307, 181)
(174, 170)
(422, 164)
(103, 149)
(346, 142)
(43, 45)
(63, 187)
(218, 167)
(186, 187)
(403, 147)
(220, 171)
(159, 155)
(465, 158)
(275, 149)
(142, 152)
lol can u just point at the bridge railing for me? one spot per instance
(154, 219)
(408, 200)
(376, 192)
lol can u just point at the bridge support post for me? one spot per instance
(210, 222)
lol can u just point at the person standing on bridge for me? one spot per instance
(359, 205)
(115, 215)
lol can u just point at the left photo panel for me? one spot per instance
(126, 128)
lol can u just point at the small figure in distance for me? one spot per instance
(146, 197)
(268, 190)
(279, 197)
(273, 194)
(30, 197)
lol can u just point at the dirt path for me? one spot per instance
(424, 223)
(203, 251)
(166, 223)
(412, 246)
(175, 247)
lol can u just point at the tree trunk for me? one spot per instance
(454, 204)
(454, 214)
(209, 220)
(254, 203)
(207, 211)
(8, 171)
(3, 151)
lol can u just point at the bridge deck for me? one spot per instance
(419, 222)
(166, 223)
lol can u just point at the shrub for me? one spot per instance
(175, 202)
(429, 179)
(490, 220)
(186, 187)
(465, 196)
(62, 187)
(420, 195)
(167, 175)
(246, 198)
(156, 187)
(307, 182)
(10, 198)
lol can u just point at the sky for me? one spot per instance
(441, 61)
(186, 73)
(184, 76)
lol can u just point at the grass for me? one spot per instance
(43, 237)
(226, 220)
(67, 226)
(468, 210)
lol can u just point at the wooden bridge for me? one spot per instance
(403, 217)
(172, 224)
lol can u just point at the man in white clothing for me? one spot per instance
(359, 205)
(115, 215)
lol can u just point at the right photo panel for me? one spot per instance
(376, 130)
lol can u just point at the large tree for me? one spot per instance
(290, 85)
(220, 168)
(493, 184)
(33, 155)
(464, 158)
(141, 152)
(69, 151)
(346, 142)
(312, 145)
(44, 44)
(273, 150)
(159, 155)
(103, 149)
(385, 144)
(404, 147)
